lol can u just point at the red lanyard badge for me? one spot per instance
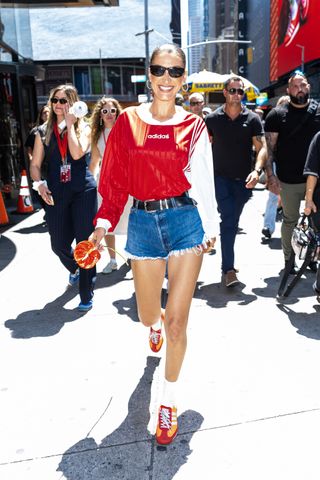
(62, 143)
(65, 168)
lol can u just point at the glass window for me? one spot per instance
(96, 80)
(81, 80)
(140, 86)
(114, 80)
(128, 86)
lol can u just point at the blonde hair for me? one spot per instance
(95, 123)
(72, 97)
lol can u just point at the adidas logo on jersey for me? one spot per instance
(159, 136)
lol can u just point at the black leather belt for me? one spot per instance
(172, 202)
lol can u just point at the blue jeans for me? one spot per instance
(231, 195)
(270, 213)
(160, 233)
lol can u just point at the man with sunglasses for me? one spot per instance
(196, 104)
(290, 128)
(234, 131)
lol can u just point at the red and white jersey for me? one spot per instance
(152, 160)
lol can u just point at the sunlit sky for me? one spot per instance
(79, 33)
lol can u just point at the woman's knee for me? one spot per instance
(176, 327)
(148, 319)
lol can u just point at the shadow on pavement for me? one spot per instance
(307, 324)
(47, 321)
(130, 451)
(303, 288)
(39, 228)
(113, 278)
(127, 307)
(218, 296)
(273, 243)
(8, 251)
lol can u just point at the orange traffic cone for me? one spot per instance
(24, 200)
(4, 219)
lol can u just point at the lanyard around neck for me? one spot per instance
(62, 143)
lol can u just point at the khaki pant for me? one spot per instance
(291, 195)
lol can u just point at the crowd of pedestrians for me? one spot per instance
(166, 175)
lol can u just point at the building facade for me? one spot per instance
(19, 77)
(18, 104)
(94, 78)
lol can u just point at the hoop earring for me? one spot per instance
(185, 88)
(148, 85)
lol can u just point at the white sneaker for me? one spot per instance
(110, 267)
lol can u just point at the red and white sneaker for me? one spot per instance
(293, 26)
(155, 340)
(304, 8)
(167, 427)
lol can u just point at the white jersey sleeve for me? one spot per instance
(202, 181)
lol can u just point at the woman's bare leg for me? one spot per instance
(111, 244)
(183, 272)
(148, 278)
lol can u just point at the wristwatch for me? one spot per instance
(259, 171)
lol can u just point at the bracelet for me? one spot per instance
(36, 184)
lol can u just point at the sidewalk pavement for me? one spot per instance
(79, 392)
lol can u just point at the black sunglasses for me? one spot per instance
(193, 104)
(105, 111)
(63, 101)
(159, 71)
(233, 91)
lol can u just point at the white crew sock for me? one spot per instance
(157, 325)
(113, 260)
(169, 393)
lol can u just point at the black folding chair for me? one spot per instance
(314, 243)
(284, 289)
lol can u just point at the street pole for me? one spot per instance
(146, 29)
(146, 33)
(302, 56)
(101, 72)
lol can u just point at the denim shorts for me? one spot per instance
(161, 233)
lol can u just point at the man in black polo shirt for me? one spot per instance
(234, 131)
(289, 131)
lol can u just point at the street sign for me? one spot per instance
(138, 78)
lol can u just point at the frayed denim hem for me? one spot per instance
(135, 257)
(197, 249)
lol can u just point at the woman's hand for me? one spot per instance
(210, 245)
(45, 193)
(96, 237)
(69, 117)
(310, 207)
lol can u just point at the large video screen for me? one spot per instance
(298, 33)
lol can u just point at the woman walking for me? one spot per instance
(160, 154)
(104, 115)
(69, 191)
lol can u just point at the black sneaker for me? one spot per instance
(313, 266)
(266, 232)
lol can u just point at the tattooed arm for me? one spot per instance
(273, 183)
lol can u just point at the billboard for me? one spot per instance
(298, 27)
